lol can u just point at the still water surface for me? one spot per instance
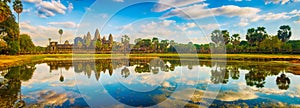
(150, 82)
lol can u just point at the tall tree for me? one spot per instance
(18, 8)
(155, 43)
(226, 36)
(60, 31)
(125, 40)
(255, 36)
(235, 40)
(250, 36)
(284, 33)
(261, 34)
(217, 37)
(164, 44)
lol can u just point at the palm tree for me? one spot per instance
(284, 33)
(60, 31)
(18, 7)
(226, 36)
(217, 37)
(235, 40)
(61, 78)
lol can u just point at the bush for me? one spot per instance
(13, 47)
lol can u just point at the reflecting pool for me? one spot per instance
(151, 82)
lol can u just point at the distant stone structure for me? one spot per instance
(54, 47)
(95, 44)
(87, 44)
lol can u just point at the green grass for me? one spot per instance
(7, 61)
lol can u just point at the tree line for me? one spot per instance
(11, 41)
(257, 41)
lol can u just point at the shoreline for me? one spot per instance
(15, 60)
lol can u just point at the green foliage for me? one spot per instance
(87, 43)
(40, 49)
(285, 33)
(10, 28)
(98, 44)
(255, 36)
(3, 45)
(271, 44)
(18, 6)
(295, 44)
(125, 40)
(226, 36)
(13, 47)
(26, 43)
(60, 31)
(5, 12)
(217, 38)
(79, 44)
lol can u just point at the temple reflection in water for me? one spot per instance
(12, 78)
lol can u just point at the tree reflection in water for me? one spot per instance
(257, 72)
(11, 95)
(256, 76)
(125, 72)
(283, 82)
(61, 78)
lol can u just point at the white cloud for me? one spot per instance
(44, 13)
(298, 21)
(295, 13)
(244, 22)
(191, 25)
(167, 4)
(118, 0)
(33, 1)
(70, 7)
(40, 33)
(165, 29)
(27, 10)
(269, 16)
(279, 1)
(46, 9)
(201, 11)
(186, 26)
(210, 26)
(168, 22)
(234, 96)
(67, 24)
(54, 6)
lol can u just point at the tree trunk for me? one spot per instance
(19, 32)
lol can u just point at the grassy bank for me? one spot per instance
(7, 61)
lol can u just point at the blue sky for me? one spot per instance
(179, 20)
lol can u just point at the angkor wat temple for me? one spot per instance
(87, 44)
